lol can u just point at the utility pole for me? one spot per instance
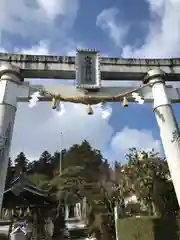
(60, 156)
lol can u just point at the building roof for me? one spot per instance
(22, 191)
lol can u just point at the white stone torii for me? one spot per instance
(12, 89)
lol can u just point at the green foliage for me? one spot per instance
(21, 163)
(148, 228)
(84, 155)
(82, 170)
(39, 180)
(43, 165)
(3, 236)
(146, 175)
(86, 174)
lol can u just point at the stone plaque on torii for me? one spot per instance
(89, 69)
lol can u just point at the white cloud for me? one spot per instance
(128, 138)
(39, 128)
(37, 18)
(2, 50)
(162, 41)
(107, 20)
(41, 48)
(53, 8)
(163, 36)
(33, 125)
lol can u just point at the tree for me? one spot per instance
(145, 171)
(45, 164)
(86, 174)
(101, 198)
(21, 163)
(45, 158)
(39, 180)
(69, 184)
(101, 214)
(42, 166)
(165, 198)
(84, 155)
(82, 165)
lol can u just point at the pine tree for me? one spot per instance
(21, 163)
(44, 162)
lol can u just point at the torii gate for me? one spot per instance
(89, 69)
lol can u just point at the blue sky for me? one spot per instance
(124, 28)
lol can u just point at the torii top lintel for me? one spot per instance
(63, 67)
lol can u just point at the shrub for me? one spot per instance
(3, 236)
(148, 228)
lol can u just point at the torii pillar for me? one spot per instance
(10, 78)
(169, 130)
